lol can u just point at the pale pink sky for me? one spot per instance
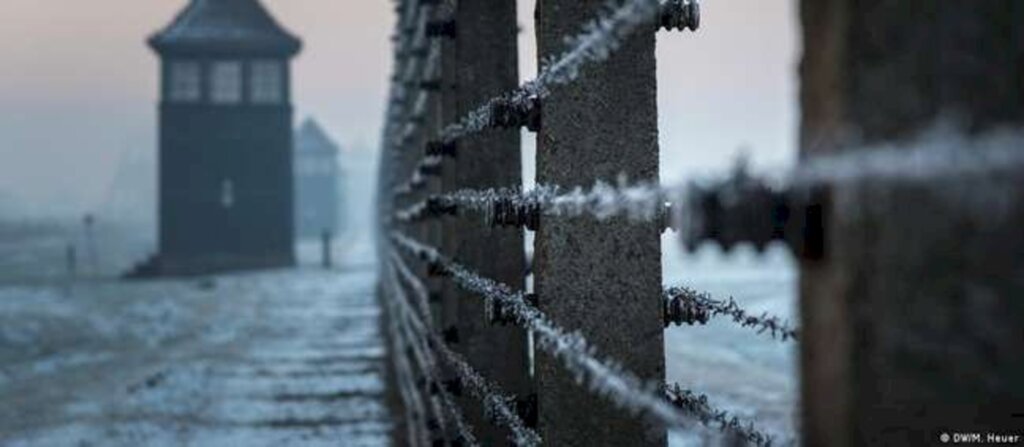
(78, 85)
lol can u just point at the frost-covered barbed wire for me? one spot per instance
(599, 38)
(604, 378)
(684, 305)
(412, 399)
(404, 378)
(417, 61)
(410, 39)
(428, 365)
(411, 120)
(415, 335)
(415, 410)
(498, 405)
(940, 155)
(639, 202)
(428, 70)
(943, 151)
(418, 178)
(433, 206)
(698, 406)
(422, 294)
(420, 339)
(464, 429)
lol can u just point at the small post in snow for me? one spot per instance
(325, 247)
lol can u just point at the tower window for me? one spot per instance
(184, 85)
(267, 82)
(226, 82)
(227, 194)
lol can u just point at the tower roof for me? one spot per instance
(225, 26)
(312, 139)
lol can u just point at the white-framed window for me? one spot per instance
(185, 82)
(266, 82)
(227, 193)
(226, 82)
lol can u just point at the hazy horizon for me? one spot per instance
(78, 90)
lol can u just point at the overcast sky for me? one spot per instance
(78, 86)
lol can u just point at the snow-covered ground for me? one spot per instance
(749, 374)
(296, 356)
(288, 357)
(37, 252)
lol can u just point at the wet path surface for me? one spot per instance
(276, 358)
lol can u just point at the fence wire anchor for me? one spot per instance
(430, 170)
(430, 85)
(454, 387)
(441, 28)
(680, 15)
(532, 299)
(679, 310)
(497, 313)
(451, 335)
(441, 148)
(743, 209)
(507, 113)
(526, 407)
(506, 212)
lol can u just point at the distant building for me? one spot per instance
(318, 182)
(225, 163)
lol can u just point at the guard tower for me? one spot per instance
(225, 162)
(318, 180)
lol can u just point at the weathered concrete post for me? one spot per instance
(397, 163)
(446, 293)
(911, 322)
(601, 278)
(486, 65)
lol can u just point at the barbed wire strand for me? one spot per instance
(427, 362)
(603, 378)
(685, 305)
(699, 407)
(495, 402)
(413, 405)
(498, 406)
(423, 296)
(639, 202)
(600, 38)
(945, 155)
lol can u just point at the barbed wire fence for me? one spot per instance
(430, 133)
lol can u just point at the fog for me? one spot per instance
(78, 93)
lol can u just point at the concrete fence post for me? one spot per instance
(486, 65)
(911, 321)
(397, 165)
(600, 278)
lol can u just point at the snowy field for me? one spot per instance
(751, 375)
(295, 357)
(290, 357)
